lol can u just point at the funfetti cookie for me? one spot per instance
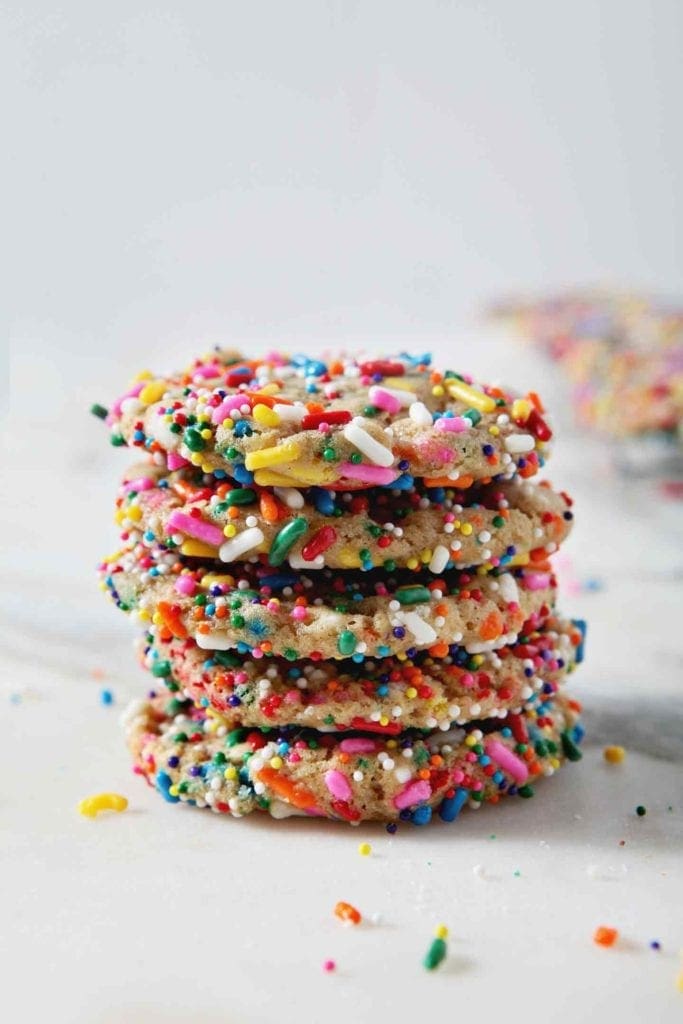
(192, 756)
(417, 527)
(383, 696)
(284, 421)
(326, 614)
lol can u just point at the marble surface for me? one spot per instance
(165, 914)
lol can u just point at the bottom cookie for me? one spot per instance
(190, 756)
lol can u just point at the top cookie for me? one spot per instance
(293, 420)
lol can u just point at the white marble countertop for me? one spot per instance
(165, 914)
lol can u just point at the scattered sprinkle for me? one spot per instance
(641, 811)
(614, 755)
(604, 936)
(329, 965)
(106, 697)
(92, 805)
(364, 849)
(346, 912)
(436, 953)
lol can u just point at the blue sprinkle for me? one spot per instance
(323, 501)
(452, 806)
(581, 626)
(107, 697)
(164, 783)
(242, 474)
(402, 483)
(422, 815)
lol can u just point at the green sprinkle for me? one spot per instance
(237, 621)
(118, 440)
(226, 659)
(240, 496)
(389, 564)
(99, 411)
(290, 654)
(370, 411)
(347, 643)
(498, 521)
(232, 454)
(161, 668)
(413, 595)
(641, 811)
(234, 737)
(435, 955)
(473, 416)
(194, 440)
(329, 454)
(571, 751)
(175, 428)
(286, 538)
(219, 757)
(356, 458)
(526, 791)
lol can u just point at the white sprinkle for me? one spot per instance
(365, 443)
(421, 630)
(290, 413)
(292, 497)
(244, 541)
(508, 588)
(518, 444)
(440, 559)
(420, 414)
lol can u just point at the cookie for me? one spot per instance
(192, 757)
(325, 614)
(385, 696)
(297, 421)
(437, 528)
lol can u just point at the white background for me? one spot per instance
(177, 175)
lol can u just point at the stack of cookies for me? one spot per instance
(341, 571)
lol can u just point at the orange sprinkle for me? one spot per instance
(292, 793)
(439, 650)
(346, 912)
(269, 507)
(604, 936)
(170, 616)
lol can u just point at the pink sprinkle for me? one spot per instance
(453, 424)
(194, 527)
(413, 793)
(257, 652)
(133, 393)
(185, 585)
(467, 679)
(368, 474)
(358, 746)
(329, 965)
(226, 407)
(383, 399)
(338, 785)
(140, 483)
(241, 677)
(175, 461)
(458, 775)
(212, 370)
(508, 761)
(299, 613)
(536, 580)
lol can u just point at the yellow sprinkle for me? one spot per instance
(230, 530)
(614, 755)
(287, 452)
(268, 389)
(384, 720)
(157, 620)
(466, 529)
(412, 562)
(228, 424)
(207, 467)
(470, 741)
(441, 931)
(364, 849)
(426, 556)
(521, 409)
(470, 396)
(173, 790)
(494, 431)
(438, 391)
(197, 549)
(196, 458)
(143, 615)
(230, 772)
(206, 433)
(518, 560)
(265, 416)
(392, 744)
(401, 655)
(348, 558)
(217, 579)
(411, 693)
(143, 375)
(92, 805)
(554, 763)
(276, 762)
(399, 382)
(152, 392)
(134, 512)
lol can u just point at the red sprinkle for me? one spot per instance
(383, 367)
(323, 539)
(313, 420)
